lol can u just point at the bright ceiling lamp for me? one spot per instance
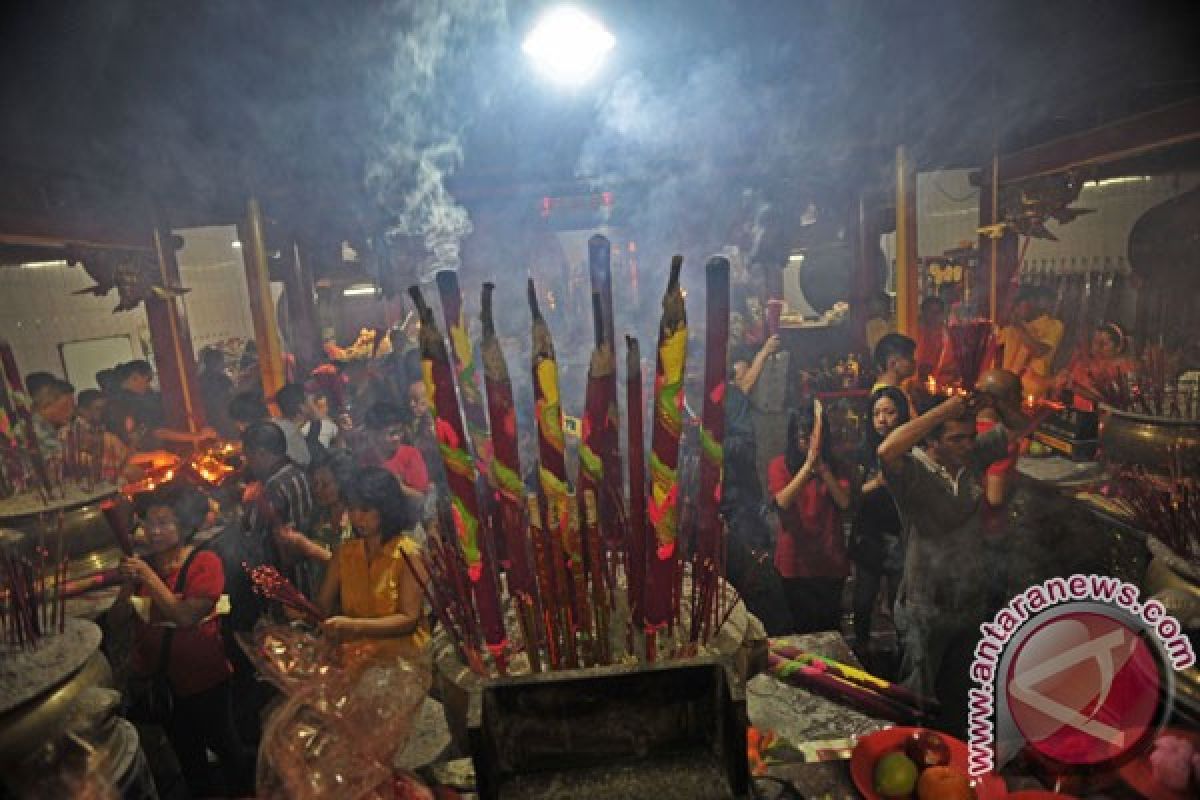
(568, 46)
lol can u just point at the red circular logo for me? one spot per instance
(1084, 688)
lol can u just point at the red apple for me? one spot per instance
(927, 749)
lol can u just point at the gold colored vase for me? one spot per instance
(1152, 442)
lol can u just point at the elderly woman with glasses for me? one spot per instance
(175, 588)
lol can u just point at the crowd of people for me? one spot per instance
(915, 515)
(343, 473)
(338, 477)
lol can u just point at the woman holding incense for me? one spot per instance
(811, 552)
(875, 537)
(331, 476)
(1102, 365)
(174, 589)
(374, 580)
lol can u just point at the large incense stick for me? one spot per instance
(599, 470)
(554, 604)
(603, 421)
(664, 458)
(465, 375)
(461, 477)
(635, 565)
(552, 467)
(505, 477)
(712, 433)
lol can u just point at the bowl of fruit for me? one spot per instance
(918, 764)
(1171, 770)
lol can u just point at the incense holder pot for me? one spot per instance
(741, 642)
(1152, 442)
(1175, 583)
(88, 540)
(41, 687)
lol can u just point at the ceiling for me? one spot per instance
(348, 119)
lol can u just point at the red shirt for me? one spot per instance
(935, 354)
(197, 658)
(1004, 466)
(407, 465)
(811, 543)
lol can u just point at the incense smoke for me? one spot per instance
(425, 108)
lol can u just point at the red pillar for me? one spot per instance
(174, 359)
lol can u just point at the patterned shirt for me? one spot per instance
(98, 449)
(285, 499)
(945, 565)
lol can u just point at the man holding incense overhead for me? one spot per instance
(933, 466)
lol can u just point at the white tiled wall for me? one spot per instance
(1100, 241)
(218, 307)
(948, 214)
(38, 311)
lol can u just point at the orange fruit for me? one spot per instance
(944, 783)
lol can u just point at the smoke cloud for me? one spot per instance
(427, 102)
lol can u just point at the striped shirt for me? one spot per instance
(285, 499)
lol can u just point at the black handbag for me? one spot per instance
(149, 699)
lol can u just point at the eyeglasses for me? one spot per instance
(160, 525)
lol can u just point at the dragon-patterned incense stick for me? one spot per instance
(461, 476)
(505, 478)
(662, 572)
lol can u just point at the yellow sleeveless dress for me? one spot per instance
(370, 590)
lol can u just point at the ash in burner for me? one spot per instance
(25, 674)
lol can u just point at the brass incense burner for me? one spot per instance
(42, 687)
(1160, 444)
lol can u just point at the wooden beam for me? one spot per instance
(172, 339)
(63, 242)
(1153, 130)
(906, 245)
(262, 308)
